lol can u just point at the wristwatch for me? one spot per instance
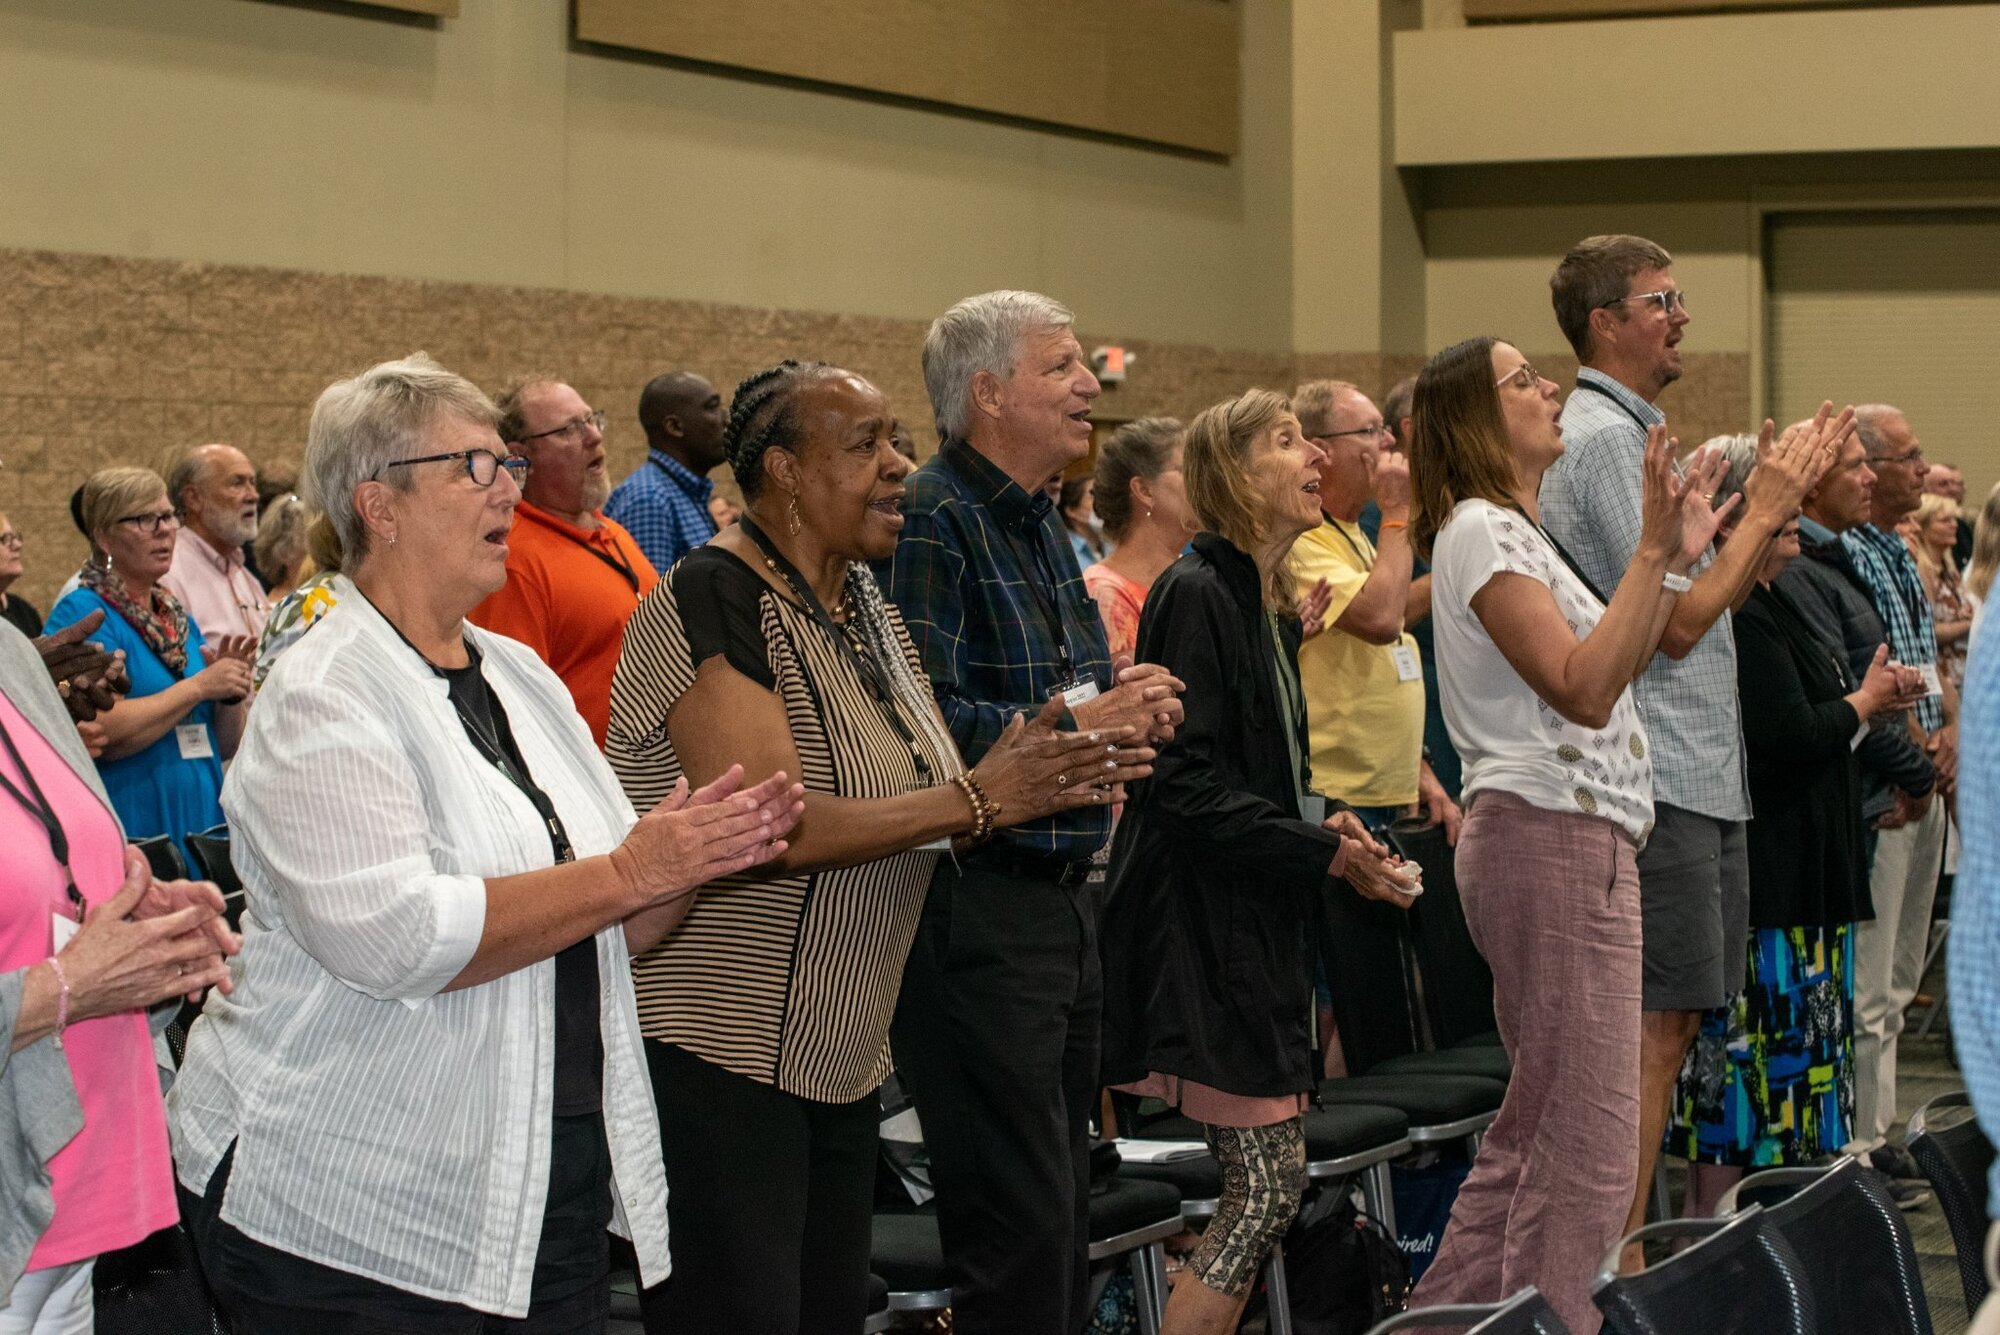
(1677, 583)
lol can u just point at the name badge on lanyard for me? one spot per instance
(1407, 666)
(1076, 692)
(193, 741)
(1933, 684)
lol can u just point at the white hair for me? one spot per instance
(362, 425)
(981, 333)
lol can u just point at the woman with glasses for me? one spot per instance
(1536, 667)
(426, 1100)
(15, 609)
(165, 742)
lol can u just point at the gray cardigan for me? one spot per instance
(39, 1113)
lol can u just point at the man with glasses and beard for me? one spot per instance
(1620, 308)
(573, 575)
(215, 489)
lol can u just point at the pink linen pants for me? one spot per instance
(1552, 899)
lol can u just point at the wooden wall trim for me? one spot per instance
(1156, 71)
(1529, 11)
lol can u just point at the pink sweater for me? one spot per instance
(114, 1183)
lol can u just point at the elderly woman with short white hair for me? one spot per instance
(426, 1100)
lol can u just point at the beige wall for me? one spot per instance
(485, 149)
(1815, 81)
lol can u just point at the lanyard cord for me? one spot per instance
(864, 662)
(43, 811)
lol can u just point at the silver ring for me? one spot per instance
(1062, 780)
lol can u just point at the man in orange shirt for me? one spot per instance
(573, 576)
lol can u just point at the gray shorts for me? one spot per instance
(1694, 902)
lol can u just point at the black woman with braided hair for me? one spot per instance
(767, 1011)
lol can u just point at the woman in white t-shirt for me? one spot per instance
(1535, 671)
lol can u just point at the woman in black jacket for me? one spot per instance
(1770, 1079)
(1219, 857)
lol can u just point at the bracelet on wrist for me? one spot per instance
(1388, 524)
(62, 997)
(1675, 583)
(984, 809)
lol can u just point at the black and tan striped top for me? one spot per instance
(788, 981)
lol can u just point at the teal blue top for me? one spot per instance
(154, 791)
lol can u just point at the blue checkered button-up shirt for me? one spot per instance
(979, 569)
(664, 506)
(1897, 590)
(1974, 961)
(1591, 503)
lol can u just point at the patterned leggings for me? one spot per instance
(1263, 1177)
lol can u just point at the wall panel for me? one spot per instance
(1164, 71)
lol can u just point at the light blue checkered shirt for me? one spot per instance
(1974, 959)
(1591, 503)
(1885, 562)
(664, 506)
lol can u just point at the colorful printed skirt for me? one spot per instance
(1770, 1079)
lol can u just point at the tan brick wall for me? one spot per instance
(107, 361)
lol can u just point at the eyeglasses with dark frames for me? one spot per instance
(1668, 299)
(572, 427)
(481, 465)
(1877, 460)
(151, 523)
(10, 539)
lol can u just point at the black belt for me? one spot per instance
(1011, 860)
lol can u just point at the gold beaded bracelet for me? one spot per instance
(984, 811)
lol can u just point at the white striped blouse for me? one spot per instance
(382, 1126)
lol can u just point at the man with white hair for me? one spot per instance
(215, 489)
(574, 576)
(996, 1034)
(1909, 845)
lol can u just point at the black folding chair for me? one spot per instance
(1955, 1156)
(210, 850)
(1457, 984)
(1740, 1278)
(1857, 1251)
(1526, 1313)
(163, 856)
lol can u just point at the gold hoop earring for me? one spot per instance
(792, 516)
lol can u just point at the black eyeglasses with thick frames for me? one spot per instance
(572, 427)
(482, 466)
(151, 523)
(1668, 299)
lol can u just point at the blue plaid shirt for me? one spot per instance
(1591, 503)
(664, 506)
(980, 566)
(1974, 960)
(1885, 564)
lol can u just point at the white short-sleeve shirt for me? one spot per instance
(1508, 737)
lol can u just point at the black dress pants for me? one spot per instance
(996, 1038)
(770, 1197)
(265, 1291)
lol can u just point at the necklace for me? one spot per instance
(841, 609)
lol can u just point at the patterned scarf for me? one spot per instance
(161, 621)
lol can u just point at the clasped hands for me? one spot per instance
(1373, 871)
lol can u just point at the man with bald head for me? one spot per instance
(215, 489)
(664, 502)
(574, 577)
(1909, 846)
